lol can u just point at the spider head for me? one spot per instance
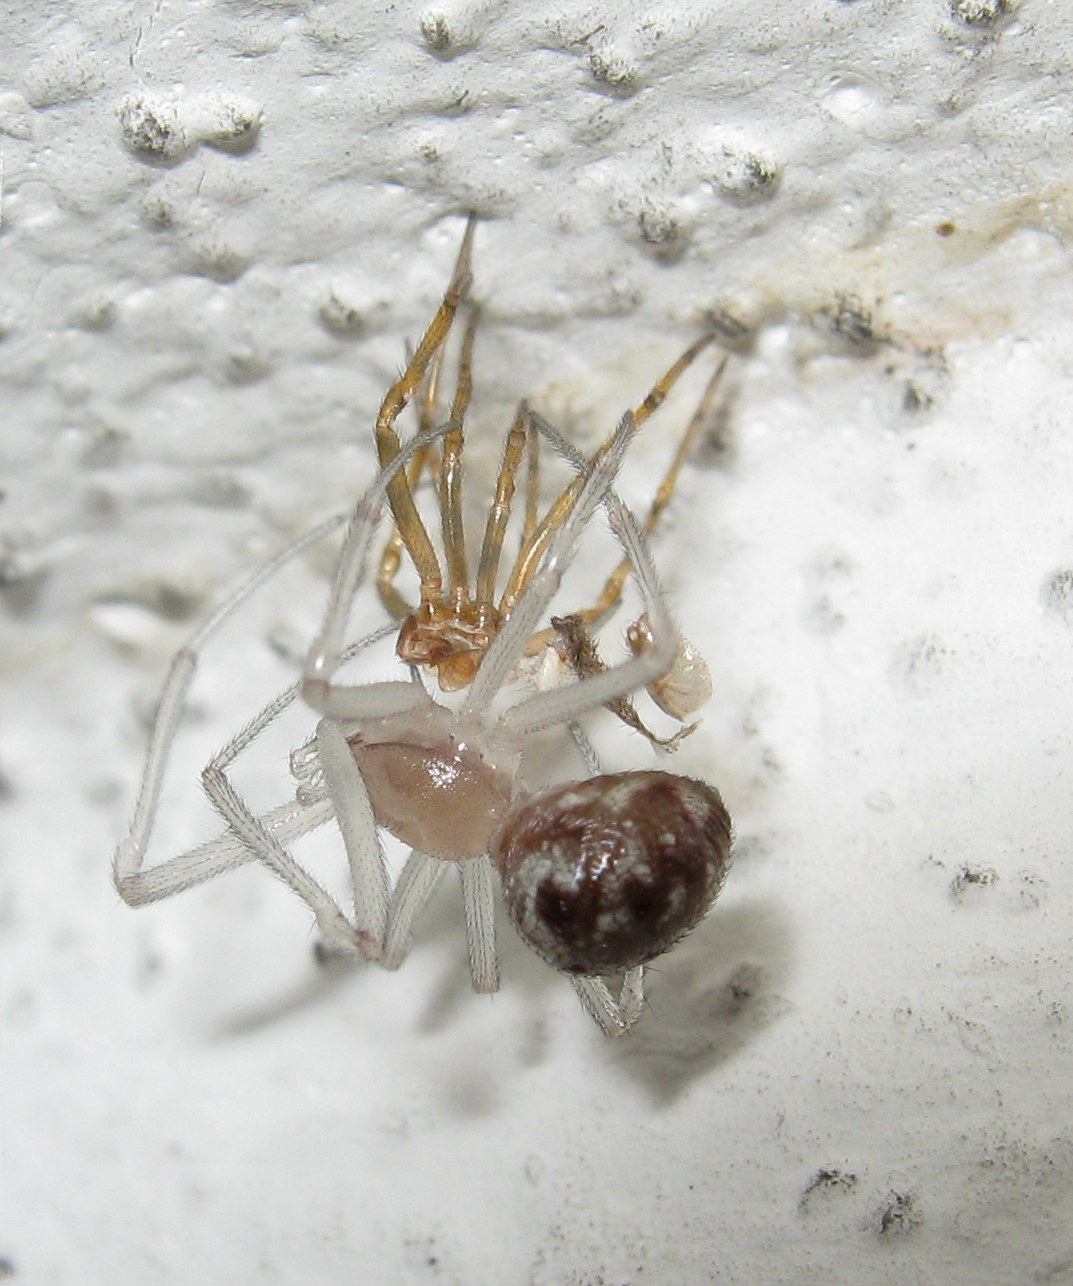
(453, 644)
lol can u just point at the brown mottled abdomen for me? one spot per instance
(605, 874)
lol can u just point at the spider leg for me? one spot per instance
(611, 593)
(350, 804)
(612, 590)
(454, 537)
(332, 924)
(400, 496)
(613, 1017)
(686, 685)
(578, 647)
(532, 481)
(415, 886)
(585, 750)
(134, 884)
(326, 653)
(361, 838)
(391, 557)
(384, 918)
(499, 512)
(479, 892)
(509, 644)
(539, 542)
(560, 705)
(217, 856)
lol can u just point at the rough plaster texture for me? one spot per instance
(222, 224)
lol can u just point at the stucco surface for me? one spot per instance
(222, 224)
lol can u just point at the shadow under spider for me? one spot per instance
(710, 998)
(330, 973)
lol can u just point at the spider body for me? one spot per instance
(599, 876)
(438, 796)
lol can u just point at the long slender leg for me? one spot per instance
(226, 852)
(499, 513)
(287, 822)
(407, 519)
(384, 917)
(478, 890)
(130, 880)
(326, 653)
(453, 530)
(578, 647)
(350, 803)
(509, 644)
(379, 915)
(365, 853)
(391, 557)
(545, 709)
(416, 884)
(686, 685)
(253, 729)
(534, 550)
(560, 705)
(333, 925)
(383, 922)
(611, 592)
(613, 1017)
(532, 481)
(390, 560)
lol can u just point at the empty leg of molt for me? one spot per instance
(612, 591)
(326, 653)
(541, 586)
(400, 495)
(499, 513)
(451, 523)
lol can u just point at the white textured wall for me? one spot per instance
(221, 224)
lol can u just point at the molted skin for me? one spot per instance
(602, 875)
(686, 686)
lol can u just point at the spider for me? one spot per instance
(598, 875)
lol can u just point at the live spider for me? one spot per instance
(600, 875)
